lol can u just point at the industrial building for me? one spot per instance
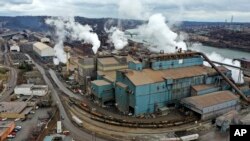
(43, 51)
(107, 66)
(31, 89)
(14, 109)
(158, 81)
(86, 68)
(211, 105)
(14, 48)
(6, 127)
(102, 88)
(18, 58)
(245, 63)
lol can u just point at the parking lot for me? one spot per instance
(29, 125)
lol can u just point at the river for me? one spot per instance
(226, 53)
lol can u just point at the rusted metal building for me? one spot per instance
(212, 104)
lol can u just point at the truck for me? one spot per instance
(77, 120)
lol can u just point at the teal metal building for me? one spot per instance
(147, 86)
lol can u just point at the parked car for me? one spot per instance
(18, 127)
(17, 119)
(11, 136)
(3, 119)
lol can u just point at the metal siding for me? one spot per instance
(159, 65)
(206, 91)
(121, 99)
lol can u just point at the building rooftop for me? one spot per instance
(203, 87)
(109, 75)
(147, 76)
(12, 107)
(113, 60)
(108, 61)
(211, 99)
(25, 86)
(41, 46)
(100, 82)
(121, 84)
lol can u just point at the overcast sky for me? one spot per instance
(189, 10)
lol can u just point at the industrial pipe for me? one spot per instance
(240, 68)
(224, 76)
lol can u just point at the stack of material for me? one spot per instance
(225, 120)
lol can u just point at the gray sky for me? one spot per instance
(177, 10)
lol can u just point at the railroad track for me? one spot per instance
(125, 123)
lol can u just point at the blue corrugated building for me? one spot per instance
(147, 86)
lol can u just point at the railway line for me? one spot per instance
(118, 131)
(126, 123)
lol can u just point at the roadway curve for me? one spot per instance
(62, 87)
(76, 133)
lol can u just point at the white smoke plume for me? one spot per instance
(68, 28)
(236, 73)
(117, 37)
(156, 31)
(132, 9)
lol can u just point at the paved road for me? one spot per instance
(10, 85)
(76, 133)
(62, 87)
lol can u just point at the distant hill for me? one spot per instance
(37, 23)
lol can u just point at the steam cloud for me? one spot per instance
(236, 74)
(157, 32)
(132, 9)
(68, 28)
(118, 38)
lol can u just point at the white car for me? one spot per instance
(19, 127)
(17, 119)
(3, 119)
(11, 136)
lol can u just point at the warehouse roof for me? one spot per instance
(12, 107)
(211, 99)
(147, 76)
(41, 46)
(100, 82)
(109, 75)
(113, 60)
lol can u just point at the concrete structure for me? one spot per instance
(31, 89)
(6, 127)
(86, 68)
(151, 84)
(14, 48)
(43, 51)
(211, 105)
(12, 109)
(45, 40)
